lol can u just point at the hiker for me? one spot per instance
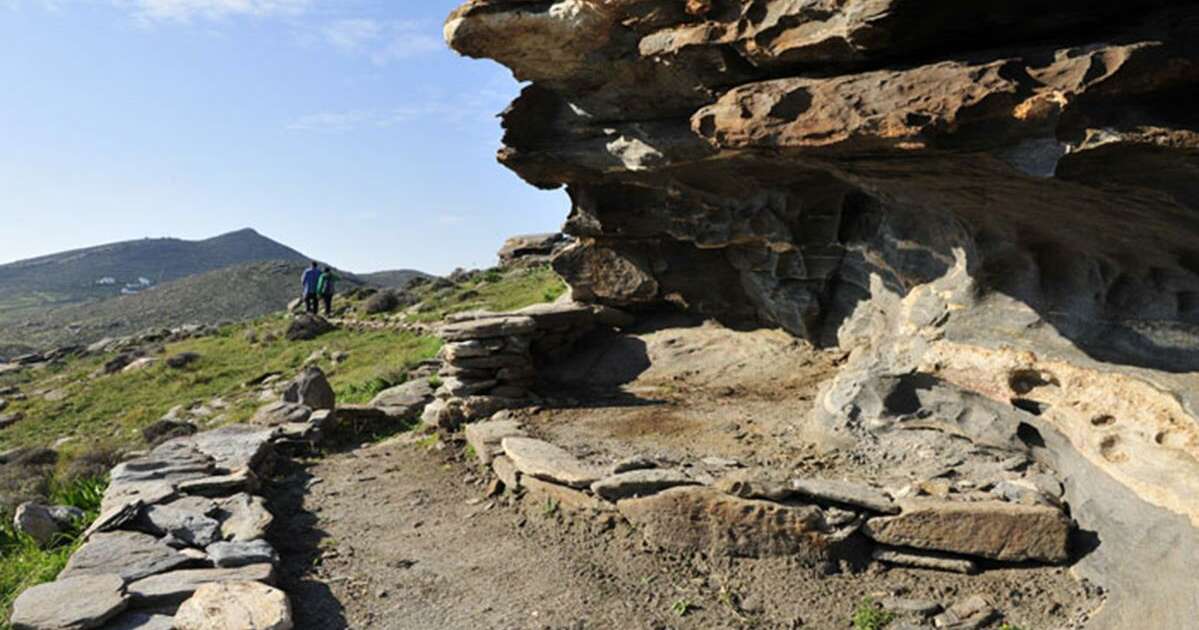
(310, 280)
(325, 288)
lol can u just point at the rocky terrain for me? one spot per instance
(991, 214)
(880, 315)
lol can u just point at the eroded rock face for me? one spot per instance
(759, 161)
(992, 204)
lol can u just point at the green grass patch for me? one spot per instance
(868, 616)
(110, 411)
(493, 290)
(24, 564)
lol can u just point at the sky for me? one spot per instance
(343, 128)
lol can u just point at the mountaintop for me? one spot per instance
(105, 271)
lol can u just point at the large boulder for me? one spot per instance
(311, 389)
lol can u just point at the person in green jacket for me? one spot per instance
(325, 287)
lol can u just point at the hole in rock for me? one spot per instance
(1103, 421)
(1024, 381)
(1109, 449)
(904, 398)
(912, 119)
(791, 106)
(1031, 406)
(1030, 435)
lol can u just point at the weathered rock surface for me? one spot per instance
(235, 606)
(141, 621)
(639, 483)
(987, 529)
(697, 519)
(531, 249)
(189, 527)
(76, 603)
(925, 561)
(542, 460)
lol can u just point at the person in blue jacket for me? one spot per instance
(310, 281)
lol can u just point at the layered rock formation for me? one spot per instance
(993, 204)
(790, 150)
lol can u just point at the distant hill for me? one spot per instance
(231, 294)
(106, 271)
(397, 279)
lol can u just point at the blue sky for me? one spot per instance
(343, 128)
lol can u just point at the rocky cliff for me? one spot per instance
(759, 161)
(985, 201)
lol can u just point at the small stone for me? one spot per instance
(636, 462)
(507, 473)
(927, 560)
(239, 554)
(904, 606)
(235, 606)
(42, 522)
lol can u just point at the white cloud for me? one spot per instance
(383, 41)
(475, 107)
(186, 10)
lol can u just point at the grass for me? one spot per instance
(112, 410)
(682, 607)
(494, 290)
(24, 564)
(868, 616)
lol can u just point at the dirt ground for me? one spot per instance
(401, 534)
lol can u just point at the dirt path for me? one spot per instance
(401, 536)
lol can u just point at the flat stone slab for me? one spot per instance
(228, 555)
(131, 555)
(78, 603)
(488, 328)
(551, 495)
(148, 492)
(238, 446)
(987, 529)
(414, 392)
(699, 519)
(231, 605)
(933, 561)
(486, 437)
(114, 517)
(542, 460)
(171, 589)
(845, 493)
(218, 485)
(640, 483)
